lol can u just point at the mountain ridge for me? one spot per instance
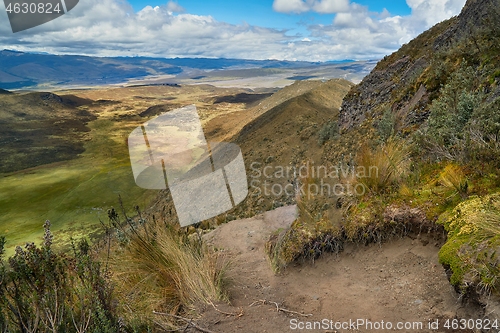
(28, 70)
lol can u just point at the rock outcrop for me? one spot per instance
(401, 82)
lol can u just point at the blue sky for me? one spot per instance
(311, 30)
(261, 13)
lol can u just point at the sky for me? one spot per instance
(307, 30)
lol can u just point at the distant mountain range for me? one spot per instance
(19, 70)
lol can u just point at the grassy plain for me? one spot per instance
(73, 194)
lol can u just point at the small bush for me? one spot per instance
(43, 291)
(386, 125)
(458, 110)
(450, 113)
(329, 131)
(484, 134)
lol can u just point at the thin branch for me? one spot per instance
(187, 320)
(227, 313)
(166, 329)
(280, 309)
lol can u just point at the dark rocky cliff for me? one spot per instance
(409, 79)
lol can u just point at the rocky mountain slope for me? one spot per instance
(280, 131)
(407, 81)
(438, 98)
(428, 118)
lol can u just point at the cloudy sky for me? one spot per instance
(310, 30)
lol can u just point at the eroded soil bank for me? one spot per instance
(397, 282)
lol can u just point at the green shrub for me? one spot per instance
(329, 131)
(451, 114)
(452, 110)
(487, 119)
(43, 291)
(386, 125)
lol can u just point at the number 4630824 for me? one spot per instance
(471, 324)
(33, 8)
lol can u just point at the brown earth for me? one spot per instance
(400, 281)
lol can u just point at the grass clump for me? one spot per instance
(158, 268)
(453, 177)
(384, 167)
(312, 234)
(471, 252)
(303, 242)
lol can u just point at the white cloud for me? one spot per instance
(104, 27)
(302, 6)
(291, 6)
(331, 6)
(430, 12)
(112, 28)
(385, 14)
(174, 7)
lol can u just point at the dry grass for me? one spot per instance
(311, 234)
(405, 191)
(162, 270)
(488, 225)
(385, 166)
(453, 177)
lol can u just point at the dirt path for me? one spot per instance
(398, 282)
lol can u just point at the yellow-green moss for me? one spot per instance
(473, 241)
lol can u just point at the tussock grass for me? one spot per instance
(453, 177)
(391, 161)
(405, 191)
(311, 234)
(489, 224)
(160, 269)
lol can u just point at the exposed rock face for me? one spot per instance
(374, 93)
(393, 83)
(472, 15)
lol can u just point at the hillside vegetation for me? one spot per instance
(427, 119)
(413, 150)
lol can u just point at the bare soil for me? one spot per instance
(399, 281)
